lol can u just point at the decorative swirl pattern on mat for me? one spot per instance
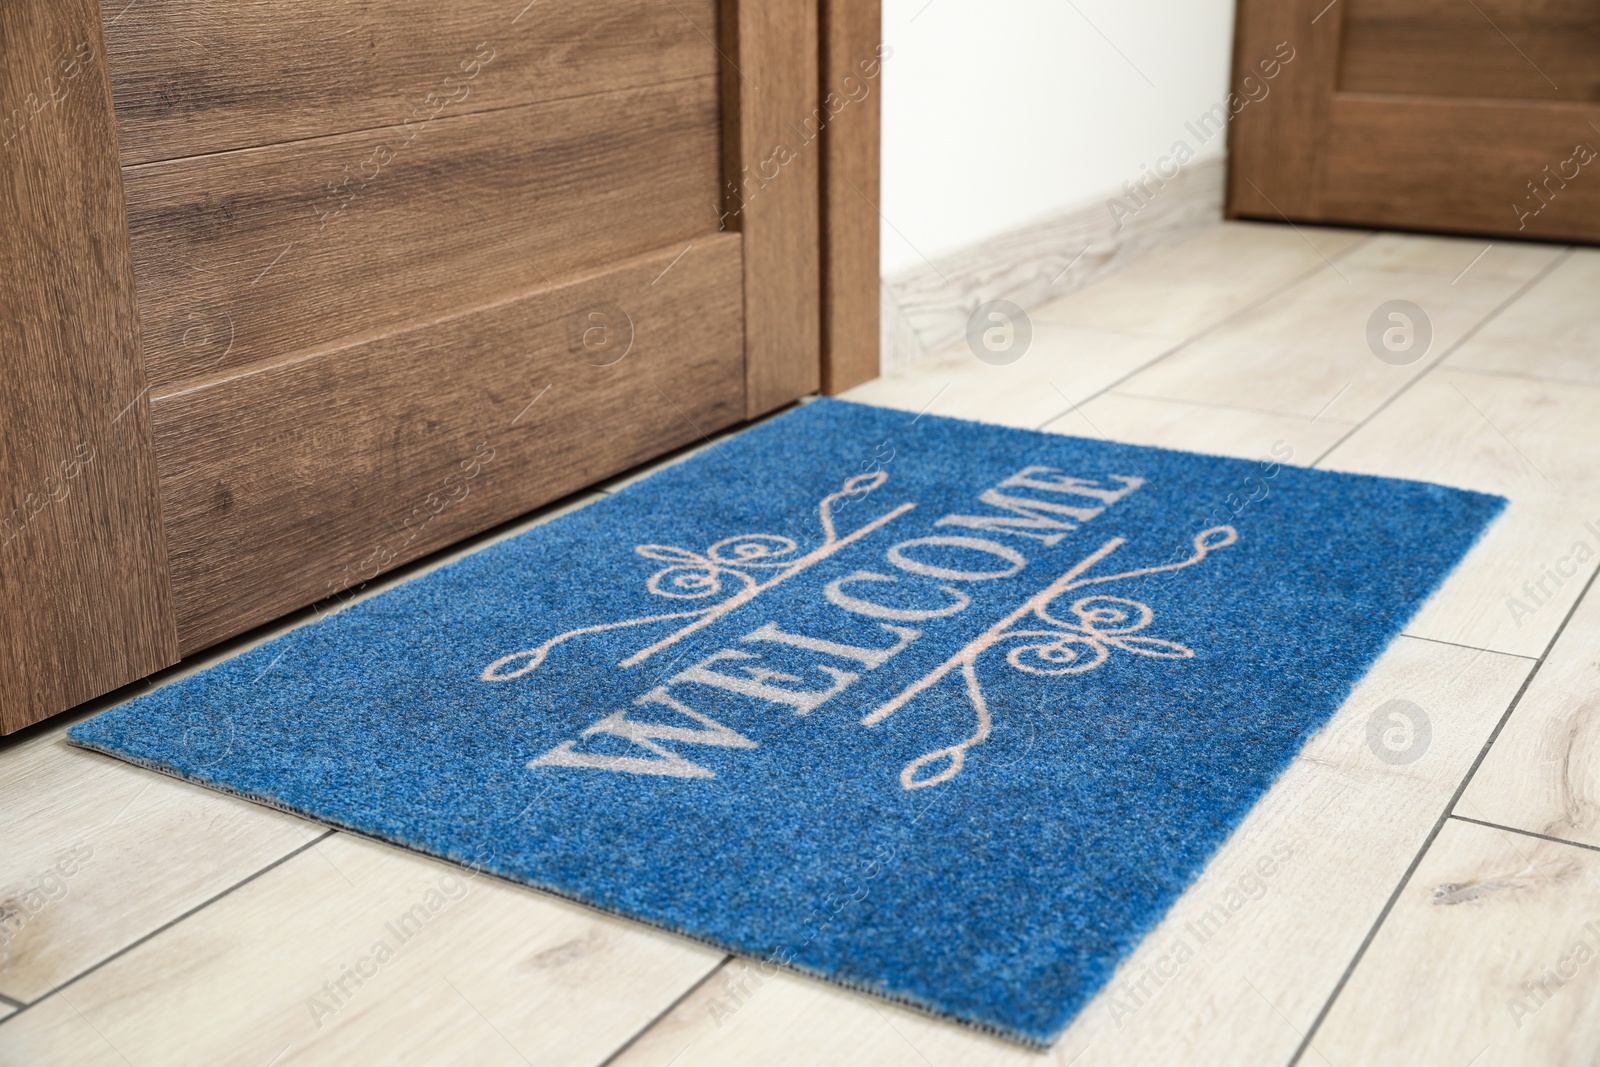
(1104, 623)
(692, 575)
(755, 562)
(1052, 647)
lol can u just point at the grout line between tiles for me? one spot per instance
(1259, 302)
(1449, 809)
(1307, 419)
(5, 1000)
(1525, 833)
(1468, 335)
(1549, 648)
(668, 1010)
(1472, 648)
(169, 924)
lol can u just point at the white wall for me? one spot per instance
(996, 112)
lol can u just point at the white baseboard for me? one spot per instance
(925, 309)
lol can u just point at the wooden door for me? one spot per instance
(84, 602)
(1463, 116)
(367, 277)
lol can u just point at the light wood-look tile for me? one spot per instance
(1454, 257)
(487, 974)
(96, 854)
(1453, 977)
(1338, 831)
(1063, 366)
(1177, 292)
(1552, 332)
(142, 848)
(1543, 773)
(5, 1010)
(1530, 441)
(1306, 353)
(1220, 431)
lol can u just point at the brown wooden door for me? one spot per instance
(84, 602)
(350, 281)
(1465, 116)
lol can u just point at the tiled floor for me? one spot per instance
(1442, 912)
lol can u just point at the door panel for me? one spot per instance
(348, 288)
(1468, 167)
(251, 255)
(290, 482)
(84, 603)
(342, 296)
(1421, 114)
(196, 76)
(1501, 49)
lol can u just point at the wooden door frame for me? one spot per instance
(768, 80)
(85, 601)
(801, 83)
(851, 94)
(1282, 135)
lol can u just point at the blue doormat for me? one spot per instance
(942, 711)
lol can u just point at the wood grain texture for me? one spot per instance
(1450, 146)
(291, 481)
(1063, 366)
(1191, 287)
(1462, 257)
(1471, 166)
(898, 343)
(771, 161)
(1552, 332)
(1529, 441)
(1306, 353)
(1508, 49)
(249, 256)
(474, 971)
(84, 600)
(1274, 144)
(1543, 774)
(1207, 428)
(100, 854)
(1479, 962)
(1035, 265)
(852, 98)
(199, 76)
(1268, 927)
